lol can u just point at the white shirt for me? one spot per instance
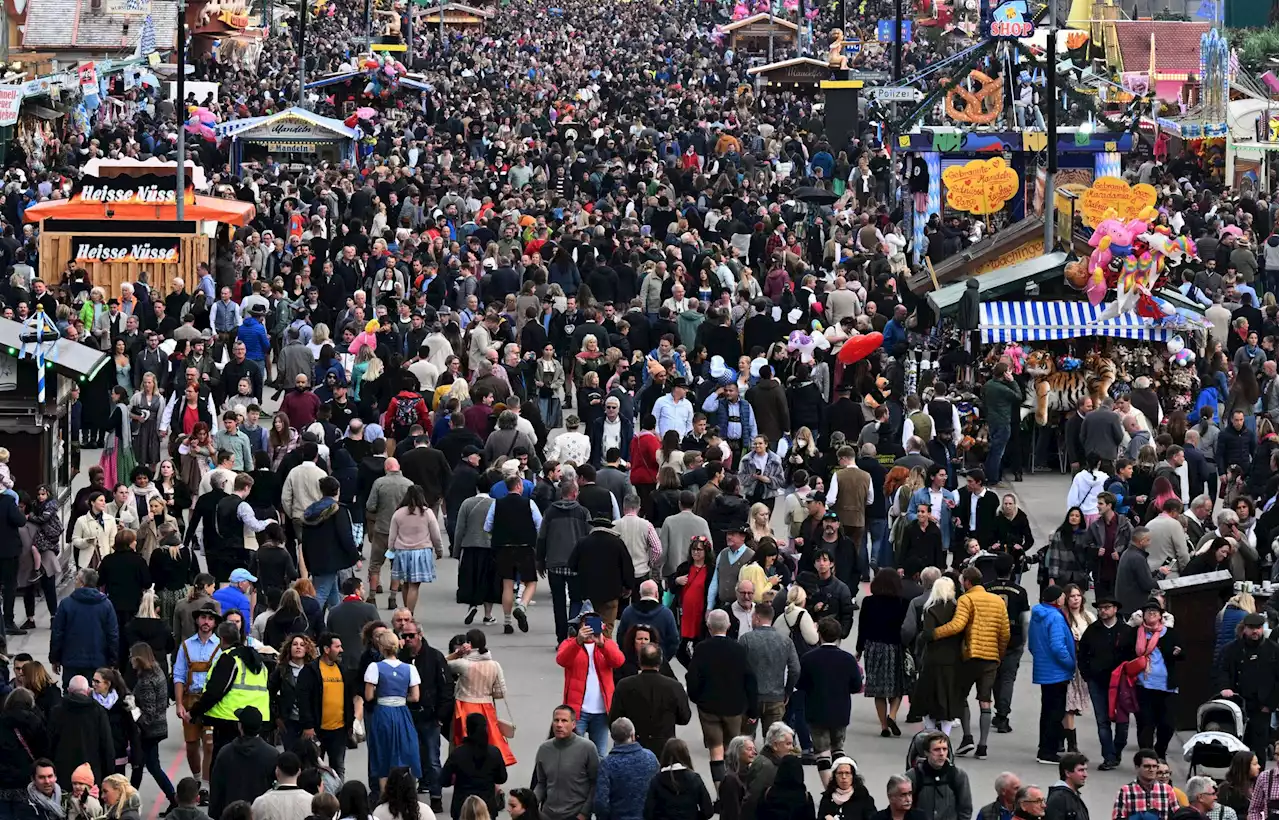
(570, 447)
(611, 435)
(833, 490)
(973, 509)
(592, 698)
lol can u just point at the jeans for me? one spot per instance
(795, 718)
(881, 553)
(1155, 719)
(595, 726)
(565, 602)
(1053, 708)
(151, 759)
(327, 589)
(1006, 676)
(429, 750)
(1112, 745)
(333, 745)
(998, 440)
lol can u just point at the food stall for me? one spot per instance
(297, 132)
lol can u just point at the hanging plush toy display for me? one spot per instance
(383, 72)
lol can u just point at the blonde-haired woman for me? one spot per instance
(145, 409)
(364, 361)
(389, 686)
(319, 338)
(758, 523)
(120, 799)
(936, 695)
(93, 313)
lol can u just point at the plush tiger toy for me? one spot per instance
(1058, 391)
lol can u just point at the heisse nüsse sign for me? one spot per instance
(148, 189)
(149, 249)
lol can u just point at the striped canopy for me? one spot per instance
(1054, 321)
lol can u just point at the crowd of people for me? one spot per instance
(546, 328)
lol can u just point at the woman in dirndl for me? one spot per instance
(478, 686)
(1078, 618)
(879, 647)
(390, 685)
(117, 460)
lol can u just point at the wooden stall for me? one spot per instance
(117, 227)
(751, 35)
(456, 15)
(38, 436)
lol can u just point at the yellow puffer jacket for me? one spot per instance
(987, 622)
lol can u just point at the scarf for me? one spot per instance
(49, 806)
(108, 700)
(841, 796)
(1146, 645)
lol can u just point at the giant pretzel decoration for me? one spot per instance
(990, 94)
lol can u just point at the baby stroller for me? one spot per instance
(1219, 727)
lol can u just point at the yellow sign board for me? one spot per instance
(1114, 194)
(980, 186)
(1032, 249)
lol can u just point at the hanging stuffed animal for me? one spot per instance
(806, 343)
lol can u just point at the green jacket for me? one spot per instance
(1001, 401)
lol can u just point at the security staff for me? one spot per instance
(238, 679)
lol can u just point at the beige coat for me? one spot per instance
(88, 534)
(301, 489)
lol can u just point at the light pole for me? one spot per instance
(302, 53)
(181, 109)
(1051, 125)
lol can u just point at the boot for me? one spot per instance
(1071, 740)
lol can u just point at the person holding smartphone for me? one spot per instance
(588, 659)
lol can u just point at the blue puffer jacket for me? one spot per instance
(1230, 616)
(1053, 647)
(85, 631)
(624, 781)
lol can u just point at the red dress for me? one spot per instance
(693, 601)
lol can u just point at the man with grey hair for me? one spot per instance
(1134, 579)
(779, 743)
(1101, 431)
(1199, 515)
(624, 776)
(1007, 786)
(1202, 794)
(1138, 436)
(1030, 802)
(85, 634)
(723, 687)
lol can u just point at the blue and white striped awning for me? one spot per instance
(1054, 321)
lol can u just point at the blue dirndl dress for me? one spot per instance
(392, 739)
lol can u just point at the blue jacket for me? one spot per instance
(623, 782)
(1053, 647)
(230, 597)
(256, 342)
(1228, 618)
(893, 333)
(85, 631)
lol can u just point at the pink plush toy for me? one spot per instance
(1017, 357)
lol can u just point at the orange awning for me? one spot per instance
(205, 208)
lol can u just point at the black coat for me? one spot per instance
(677, 795)
(985, 532)
(655, 703)
(310, 691)
(603, 566)
(862, 806)
(477, 770)
(22, 737)
(428, 468)
(1102, 649)
(11, 520)
(244, 769)
(828, 677)
(720, 679)
(79, 732)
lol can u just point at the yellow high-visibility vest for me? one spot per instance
(247, 689)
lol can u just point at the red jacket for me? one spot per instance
(644, 458)
(573, 657)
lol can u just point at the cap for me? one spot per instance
(250, 718)
(241, 574)
(1255, 619)
(601, 521)
(816, 495)
(1050, 594)
(491, 263)
(471, 450)
(1153, 603)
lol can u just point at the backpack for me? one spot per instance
(797, 637)
(406, 414)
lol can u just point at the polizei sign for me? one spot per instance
(156, 250)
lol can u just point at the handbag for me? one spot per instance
(507, 727)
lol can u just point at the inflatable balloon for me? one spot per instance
(859, 347)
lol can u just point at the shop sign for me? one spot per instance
(1114, 194)
(289, 128)
(980, 186)
(10, 103)
(894, 94)
(1011, 20)
(290, 147)
(155, 250)
(129, 8)
(148, 189)
(1033, 249)
(870, 76)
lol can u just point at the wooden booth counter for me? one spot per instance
(117, 227)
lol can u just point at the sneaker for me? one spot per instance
(1108, 765)
(1001, 726)
(471, 616)
(203, 798)
(521, 618)
(437, 805)
(508, 629)
(1051, 760)
(12, 629)
(966, 745)
(980, 753)
(808, 758)
(489, 620)
(29, 623)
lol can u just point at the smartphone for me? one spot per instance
(595, 623)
